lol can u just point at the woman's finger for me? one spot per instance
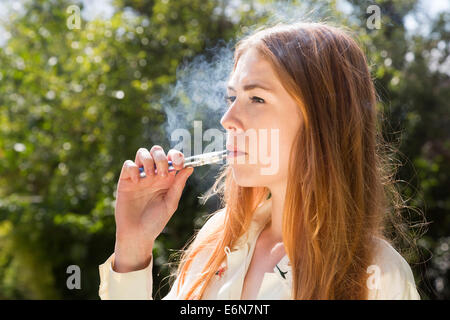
(160, 159)
(129, 171)
(144, 159)
(174, 193)
(177, 158)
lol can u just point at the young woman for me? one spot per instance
(311, 229)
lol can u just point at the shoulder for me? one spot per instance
(200, 259)
(212, 223)
(390, 276)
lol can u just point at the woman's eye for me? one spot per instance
(257, 99)
(230, 99)
(254, 99)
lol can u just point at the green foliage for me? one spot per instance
(75, 104)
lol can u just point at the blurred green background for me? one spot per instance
(75, 104)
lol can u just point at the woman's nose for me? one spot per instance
(231, 120)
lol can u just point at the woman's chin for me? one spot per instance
(253, 176)
(245, 177)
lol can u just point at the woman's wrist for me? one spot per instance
(127, 258)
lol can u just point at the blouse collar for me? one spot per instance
(282, 274)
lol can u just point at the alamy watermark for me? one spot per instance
(373, 281)
(74, 280)
(254, 142)
(74, 19)
(374, 20)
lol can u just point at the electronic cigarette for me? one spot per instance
(196, 161)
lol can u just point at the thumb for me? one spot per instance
(174, 193)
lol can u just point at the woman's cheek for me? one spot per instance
(279, 142)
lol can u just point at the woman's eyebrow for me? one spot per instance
(250, 86)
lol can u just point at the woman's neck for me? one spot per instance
(274, 229)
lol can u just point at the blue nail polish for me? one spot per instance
(141, 169)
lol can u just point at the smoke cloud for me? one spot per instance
(198, 95)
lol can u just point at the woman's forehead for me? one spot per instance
(252, 67)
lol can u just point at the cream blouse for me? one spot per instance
(389, 278)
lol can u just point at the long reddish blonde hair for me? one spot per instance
(336, 198)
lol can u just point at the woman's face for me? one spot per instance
(262, 121)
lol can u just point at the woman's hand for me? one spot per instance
(144, 206)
